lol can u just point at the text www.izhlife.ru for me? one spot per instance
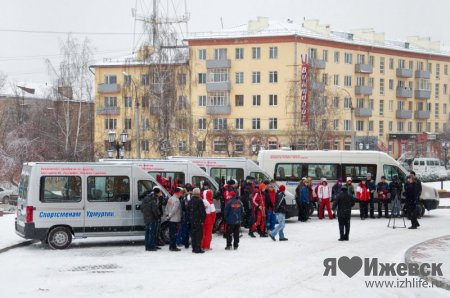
(404, 283)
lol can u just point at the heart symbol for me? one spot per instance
(350, 266)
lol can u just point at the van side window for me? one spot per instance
(259, 176)
(289, 172)
(169, 180)
(144, 187)
(225, 174)
(197, 181)
(60, 189)
(317, 171)
(108, 188)
(389, 171)
(23, 187)
(359, 171)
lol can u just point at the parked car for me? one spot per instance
(5, 195)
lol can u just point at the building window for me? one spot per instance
(256, 53)
(145, 102)
(238, 146)
(381, 64)
(381, 128)
(273, 100)
(436, 110)
(239, 53)
(390, 126)
(126, 80)
(419, 126)
(182, 102)
(360, 59)
(273, 123)
(436, 127)
(273, 145)
(325, 55)
(391, 106)
(218, 75)
(182, 146)
(239, 78)
(202, 54)
(336, 80)
(372, 60)
(218, 99)
(181, 79)
(391, 84)
(220, 123)
(202, 100)
(273, 77)
(127, 123)
(444, 89)
(370, 125)
(128, 102)
(256, 77)
(256, 123)
(381, 107)
(110, 79)
(273, 52)
(438, 71)
(444, 108)
(348, 57)
(347, 103)
(145, 124)
(410, 126)
(430, 67)
(256, 100)
(219, 146)
(313, 53)
(360, 125)
(110, 124)
(371, 103)
(145, 80)
(347, 125)
(325, 78)
(202, 123)
(201, 146)
(436, 91)
(239, 100)
(202, 78)
(145, 145)
(337, 55)
(110, 101)
(239, 123)
(347, 81)
(335, 124)
(381, 86)
(400, 125)
(220, 54)
(336, 102)
(391, 63)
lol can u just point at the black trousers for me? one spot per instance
(372, 207)
(363, 212)
(344, 227)
(233, 234)
(196, 236)
(173, 231)
(303, 212)
(380, 208)
(412, 212)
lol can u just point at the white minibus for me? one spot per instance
(59, 200)
(288, 167)
(424, 166)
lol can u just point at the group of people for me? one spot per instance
(344, 195)
(191, 214)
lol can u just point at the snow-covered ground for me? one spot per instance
(260, 268)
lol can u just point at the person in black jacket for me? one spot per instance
(412, 195)
(197, 216)
(280, 213)
(233, 216)
(152, 215)
(344, 203)
(246, 198)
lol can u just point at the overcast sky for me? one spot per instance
(22, 54)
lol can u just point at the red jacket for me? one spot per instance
(362, 192)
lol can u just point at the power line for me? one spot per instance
(36, 57)
(64, 32)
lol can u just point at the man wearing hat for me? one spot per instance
(246, 195)
(197, 216)
(258, 201)
(152, 215)
(183, 235)
(344, 203)
(372, 187)
(383, 197)
(280, 213)
(173, 215)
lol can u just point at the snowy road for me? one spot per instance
(260, 268)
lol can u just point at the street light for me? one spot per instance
(136, 117)
(352, 110)
(119, 146)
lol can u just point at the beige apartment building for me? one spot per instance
(304, 86)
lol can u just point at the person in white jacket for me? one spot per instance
(173, 215)
(324, 196)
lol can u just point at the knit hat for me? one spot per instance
(282, 188)
(349, 179)
(196, 191)
(262, 186)
(339, 179)
(156, 190)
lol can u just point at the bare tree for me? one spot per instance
(3, 78)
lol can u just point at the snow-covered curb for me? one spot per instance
(434, 250)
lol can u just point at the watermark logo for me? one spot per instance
(373, 267)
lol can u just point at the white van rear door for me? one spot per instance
(108, 208)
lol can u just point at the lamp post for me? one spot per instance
(119, 145)
(136, 117)
(445, 147)
(352, 110)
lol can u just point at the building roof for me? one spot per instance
(263, 27)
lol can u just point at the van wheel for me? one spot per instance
(5, 200)
(59, 238)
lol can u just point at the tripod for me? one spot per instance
(396, 212)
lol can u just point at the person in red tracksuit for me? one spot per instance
(258, 201)
(210, 216)
(324, 196)
(363, 196)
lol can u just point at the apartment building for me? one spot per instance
(378, 94)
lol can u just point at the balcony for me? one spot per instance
(422, 115)
(108, 88)
(404, 92)
(422, 94)
(363, 90)
(363, 112)
(108, 111)
(319, 86)
(363, 68)
(223, 63)
(403, 114)
(422, 74)
(218, 86)
(316, 63)
(218, 110)
(404, 73)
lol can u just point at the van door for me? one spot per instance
(108, 206)
(142, 188)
